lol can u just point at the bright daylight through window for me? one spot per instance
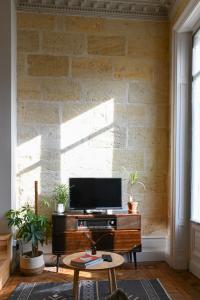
(195, 203)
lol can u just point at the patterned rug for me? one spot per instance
(90, 290)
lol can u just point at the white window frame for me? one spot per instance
(180, 177)
(195, 185)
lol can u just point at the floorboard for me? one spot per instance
(180, 285)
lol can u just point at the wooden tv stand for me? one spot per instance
(72, 232)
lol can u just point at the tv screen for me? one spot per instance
(95, 193)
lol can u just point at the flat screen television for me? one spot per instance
(95, 193)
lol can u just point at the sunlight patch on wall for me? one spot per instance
(25, 185)
(87, 143)
(28, 169)
(28, 154)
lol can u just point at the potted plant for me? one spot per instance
(33, 228)
(60, 198)
(133, 180)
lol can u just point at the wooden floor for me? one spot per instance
(180, 285)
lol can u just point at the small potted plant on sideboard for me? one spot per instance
(61, 196)
(59, 200)
(132, 204)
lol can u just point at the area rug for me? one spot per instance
(90, 290)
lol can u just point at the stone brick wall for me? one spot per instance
(93, 100)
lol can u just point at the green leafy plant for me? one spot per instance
(29, 226)
(133, 180)
(60, 196)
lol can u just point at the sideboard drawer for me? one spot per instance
(129, 222)
(63, 223)
(117, 240)
(113, 240)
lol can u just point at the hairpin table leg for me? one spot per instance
(130, 257)
(135, 259)
(57, 262)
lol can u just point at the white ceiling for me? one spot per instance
(156, 9)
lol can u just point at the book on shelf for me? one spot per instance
(86, 260)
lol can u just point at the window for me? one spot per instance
(195, 191)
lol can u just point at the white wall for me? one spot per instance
(7, 107)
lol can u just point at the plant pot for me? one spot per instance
(60, 208)
(132, 207)
(31, 265)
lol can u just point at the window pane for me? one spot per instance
(196, 54)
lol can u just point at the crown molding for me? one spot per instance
(145, 9)
(173, 8)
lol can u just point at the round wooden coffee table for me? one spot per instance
(117, 260)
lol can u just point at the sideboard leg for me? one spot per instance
(135, 259)
(130, 257)
(57, 262)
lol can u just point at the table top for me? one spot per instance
(117, 260)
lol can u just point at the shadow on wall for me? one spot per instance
(90, 142)
(93, 140)
(81, 146)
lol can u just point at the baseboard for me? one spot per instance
(153, 249)
(195, 268)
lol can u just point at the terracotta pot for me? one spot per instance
(132, 207)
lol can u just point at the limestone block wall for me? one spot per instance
(93, 101)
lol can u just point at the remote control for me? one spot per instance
(107, 257)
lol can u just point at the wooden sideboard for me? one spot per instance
(73, 232)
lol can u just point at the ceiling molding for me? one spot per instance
(146, 9)
(173, 8)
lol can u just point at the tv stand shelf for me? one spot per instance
(73, 232)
